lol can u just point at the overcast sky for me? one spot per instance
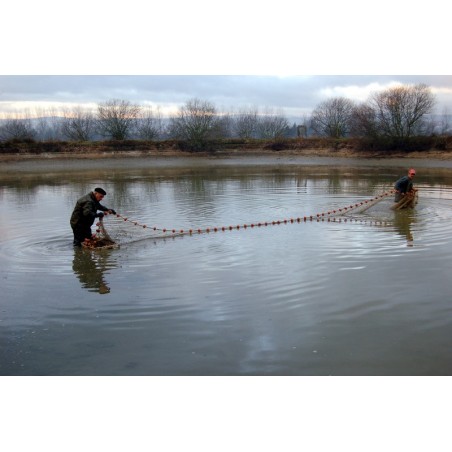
(292, 95)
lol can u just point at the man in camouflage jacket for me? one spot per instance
(84, 214)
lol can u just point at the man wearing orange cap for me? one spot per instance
(404, 185)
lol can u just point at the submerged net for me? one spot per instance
(101, 239)
(408, 201)
(123, 230)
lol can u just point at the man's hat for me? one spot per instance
(100, 190)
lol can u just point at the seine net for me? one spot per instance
(115, 230)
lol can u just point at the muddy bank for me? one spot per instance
(175, 159)
(345, 152)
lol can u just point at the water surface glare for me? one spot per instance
(368, 293)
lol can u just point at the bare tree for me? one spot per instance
(332, 118)
(303, 127)
(48, 123)
(149, 124)
(117, 119)
(444, 123)
(363, 121)
(245, 123)
(400, 111)
(437, 124)
(78, 124)
(196, 122)
(17, 128)
(431, 126)
(272, 125)
(224, 126)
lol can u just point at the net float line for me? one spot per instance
(328, 215)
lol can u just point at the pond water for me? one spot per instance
(368, 293)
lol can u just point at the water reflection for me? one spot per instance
(402, 223)
(90, 268)
(316, 298)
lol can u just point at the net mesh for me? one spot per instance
(409, 200)
(115, 230)
(123, 230)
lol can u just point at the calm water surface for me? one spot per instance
(367, 294)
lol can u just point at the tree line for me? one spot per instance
(395, 114)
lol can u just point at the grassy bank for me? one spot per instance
(346, 147)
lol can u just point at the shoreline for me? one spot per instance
(313, 152)
(84, 160)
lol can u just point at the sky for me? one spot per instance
(295, 96)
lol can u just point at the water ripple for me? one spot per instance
(247, 300)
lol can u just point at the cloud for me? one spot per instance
(293, 95)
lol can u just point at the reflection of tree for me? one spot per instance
(402, 222)
(89, 267)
